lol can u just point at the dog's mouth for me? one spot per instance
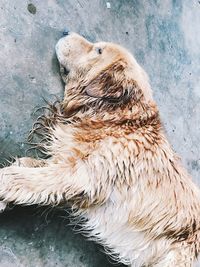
(63, 70)
(66, 71)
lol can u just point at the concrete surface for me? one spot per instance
(165, 38)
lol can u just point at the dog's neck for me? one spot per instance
(129, 118)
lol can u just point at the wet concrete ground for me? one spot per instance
(165, 38)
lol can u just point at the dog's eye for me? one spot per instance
(99, 50)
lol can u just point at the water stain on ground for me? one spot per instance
(31, 8)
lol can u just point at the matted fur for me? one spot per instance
(108, 157)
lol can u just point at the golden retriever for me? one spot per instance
(110, 160)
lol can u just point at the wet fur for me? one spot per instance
(108, 157)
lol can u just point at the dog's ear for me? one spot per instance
(112, 86)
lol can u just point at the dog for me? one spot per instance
(110, 160)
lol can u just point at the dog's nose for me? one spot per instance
(66, 32)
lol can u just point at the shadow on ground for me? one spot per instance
(38, 237)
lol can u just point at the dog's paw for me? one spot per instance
(3, 206)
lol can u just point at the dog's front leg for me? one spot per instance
(48, 185)
(25, 162)
(29, 162)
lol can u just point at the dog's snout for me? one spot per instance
(66, 32)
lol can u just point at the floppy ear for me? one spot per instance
(112, 86)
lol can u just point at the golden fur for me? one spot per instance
(110, 160)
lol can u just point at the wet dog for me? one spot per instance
(110, 160)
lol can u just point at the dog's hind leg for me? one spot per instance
(177, 258)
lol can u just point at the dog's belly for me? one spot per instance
(108, 225)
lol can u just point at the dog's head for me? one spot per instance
(100, 75)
